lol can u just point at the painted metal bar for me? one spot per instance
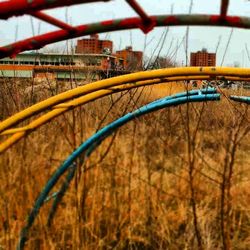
(40, 41)
(139, 10)
(19, 133)
(60, 194)
(94, 141)
(71, 173)
(147, 22)
(49, 19)
(64, 107)
(204, 91)
(83, 99)
(244, 99)
(224, 8)
(9, 8)
(119, 80)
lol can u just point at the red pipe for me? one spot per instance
(139, 10)
(20, 7)
(148, 23)
(224, 8)
(40, 41)
(49, 19)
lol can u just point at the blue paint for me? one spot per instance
(244, 99)
(92, 142)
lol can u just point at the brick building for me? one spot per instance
(132, 59)
(93, 45)
(61, 66)
(203, 58)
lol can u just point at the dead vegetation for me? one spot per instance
(174, 179)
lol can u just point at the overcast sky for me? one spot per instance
(199, 37)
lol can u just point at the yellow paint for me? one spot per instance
(102, 88)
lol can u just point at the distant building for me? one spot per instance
(59, 66)
(132, 59)
(93, 45)
(91, 57)
(203, 58)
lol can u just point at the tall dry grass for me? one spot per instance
(174, 179)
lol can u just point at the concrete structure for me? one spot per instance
(93, 45)
(132, 59)
(93, 56)
(58, 66)
(203, 58)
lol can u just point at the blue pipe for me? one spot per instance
(59, 195)
(244, 99)
(92, 142)
(70, 176)
(204, 91)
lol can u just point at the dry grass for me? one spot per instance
(169, 180)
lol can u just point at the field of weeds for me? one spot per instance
(174, 179)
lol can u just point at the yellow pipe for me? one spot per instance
(61, 108)
(127, 86)
(119, 80)
(80, 101)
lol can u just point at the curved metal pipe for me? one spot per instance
(119, 80)
(244, 99)
(37, 42)
(12, 8)
(91, 143)
(61, 108)
(19, 133)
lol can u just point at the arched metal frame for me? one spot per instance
(91, 143)
(38, 42)
(144, 22)
(101, 88)
(12, 8)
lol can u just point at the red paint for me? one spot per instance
(224, 8)
(171, 20)
(214, 19)
(135, 22)
(20, 7)
(127, 23)
(146, 27)
(139, 10)
(235, 20)
(132, 22)
(52, 20)
(107, 23)
(81, 29)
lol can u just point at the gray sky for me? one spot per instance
(199, 36)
